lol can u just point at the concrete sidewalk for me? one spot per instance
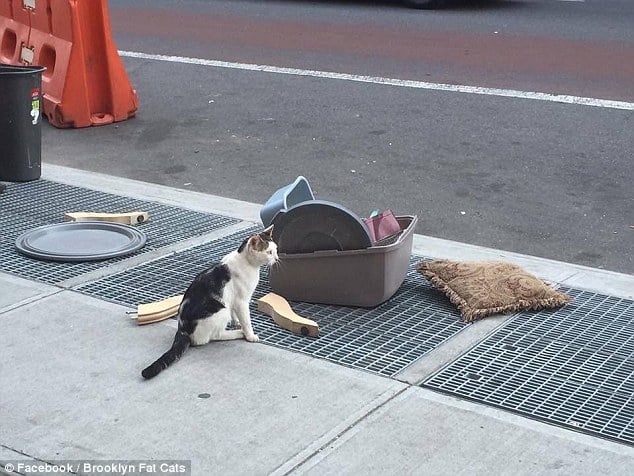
(71, 388)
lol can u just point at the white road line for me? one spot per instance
(560, 98)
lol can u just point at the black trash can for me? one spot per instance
(20, 123)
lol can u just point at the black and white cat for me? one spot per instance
(217, 296)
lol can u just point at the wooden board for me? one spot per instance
(280, 310)
(159, 310)
(129, 218)
(272, 304)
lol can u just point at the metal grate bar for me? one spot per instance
(572, 366)
(24, 206)
(384, 340)
(163, 277)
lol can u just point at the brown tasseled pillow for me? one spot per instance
(482, 288)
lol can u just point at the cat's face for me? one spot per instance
(262, 247)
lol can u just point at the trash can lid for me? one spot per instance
(20, 69)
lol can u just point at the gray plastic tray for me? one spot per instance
(364, 278)
(80, 241)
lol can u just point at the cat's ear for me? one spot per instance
(256, 242)
(267, 234)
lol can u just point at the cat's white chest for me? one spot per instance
(244, 283)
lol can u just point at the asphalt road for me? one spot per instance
(538, 177)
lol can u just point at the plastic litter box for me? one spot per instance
(364, 278)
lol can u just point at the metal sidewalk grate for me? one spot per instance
(573, 367)
(164, 277)
(24, 206)
(384, 340)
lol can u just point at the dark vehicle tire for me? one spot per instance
(424, 4)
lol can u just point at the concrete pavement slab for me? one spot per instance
(72, 390)
(16, 291)
(420, 432)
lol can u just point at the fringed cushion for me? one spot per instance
(482, 288)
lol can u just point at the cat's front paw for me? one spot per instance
(252, 338)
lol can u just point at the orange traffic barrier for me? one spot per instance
(14, 32)
(85, 82)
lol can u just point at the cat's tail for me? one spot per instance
(180, 345)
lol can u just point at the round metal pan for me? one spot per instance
(318, 225)
(80, 241)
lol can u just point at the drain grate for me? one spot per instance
(573, 367)
(164, 277)
(24, 206)
(384, 340)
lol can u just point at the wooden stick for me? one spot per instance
(159, 310)
(280, 310)
(130, 218)
(152, 318)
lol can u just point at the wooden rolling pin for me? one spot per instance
(158, 311)
(280, 310)
(129, 218)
